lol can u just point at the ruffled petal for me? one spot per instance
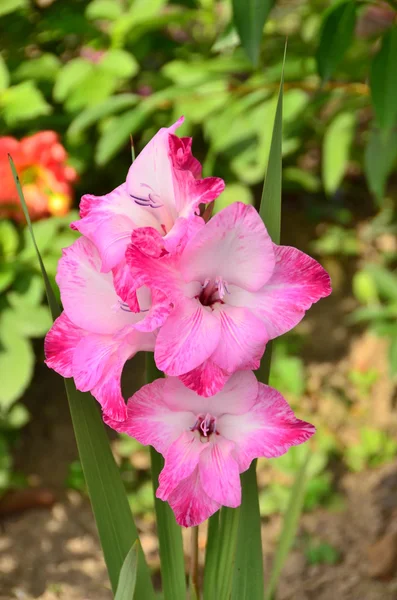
(219, 473)
(108, 222)
(242, 341)
(268, 429)
(298, 281)
(188, 337)
(236, 397)
(181, 459)
(150, 420)
(233, 245)
(206, 380)
(60, 344)
(98, 363)
(88, 296)
(190, 503)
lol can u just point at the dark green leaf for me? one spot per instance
(249, 18)
(116, 527)
(383, 80)
(127, 581)
(228, 526)
(336, 36)
(211, 557)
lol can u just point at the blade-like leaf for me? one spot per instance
(128, 573)
(169, 532)
(249, 18)
(290, 525)
(211, 555)
(248, 572)
(248, 568)
(109, 502)
(383, 80)
(336, 36)
(228, 526)
(379, 160)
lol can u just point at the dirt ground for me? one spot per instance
(53, 553)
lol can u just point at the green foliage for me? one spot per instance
(384, 81)
(249, 18)
(374, 448)
(322, 553)
(336, 36)
(336, 149)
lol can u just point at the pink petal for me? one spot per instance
(158, 312)
(150, 180)
(190, 191)
(124, 286)
(268, 429)
(108, 222)
(188, 337)
(190, 503)
(219, 473)
(182, 230)
(150, 420)
(181, 459)
(60, 344)
(207, 379)
(233, 245)
(243, 339)
(88, 296)
(237, 396)
(98, 364)
(297, 282)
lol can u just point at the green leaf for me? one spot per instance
(8, 6)
(4, 75)
(108, 107)
(120, 63)
(249, 18)
(380, 157)
(169, 532)
(290, 525)
(16, 366)
(108, 10)
(211, 557)
(27, 321)
(383, 81)
(7, 275)
(385, 281)
(248, 569)
(43, 68)
(234, 192)
(44, 232)
(127, 581)
(116, 528)
(16, 418)
(23, 102)
(9, 240)
(228, 527)
(118, 132)
(336, 149)
(248, 575)
(70, 77)
(336, 35)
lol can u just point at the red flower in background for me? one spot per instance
(46, 179)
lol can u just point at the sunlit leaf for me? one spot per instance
(336, 149)
(4, 74)
(23, 102)
(128, 573)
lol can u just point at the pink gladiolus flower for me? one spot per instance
(219, 298)
(207, 443)
(163, 189)
(96, 334)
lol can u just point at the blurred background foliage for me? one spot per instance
(98, 72)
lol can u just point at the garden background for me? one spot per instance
(97, 72)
